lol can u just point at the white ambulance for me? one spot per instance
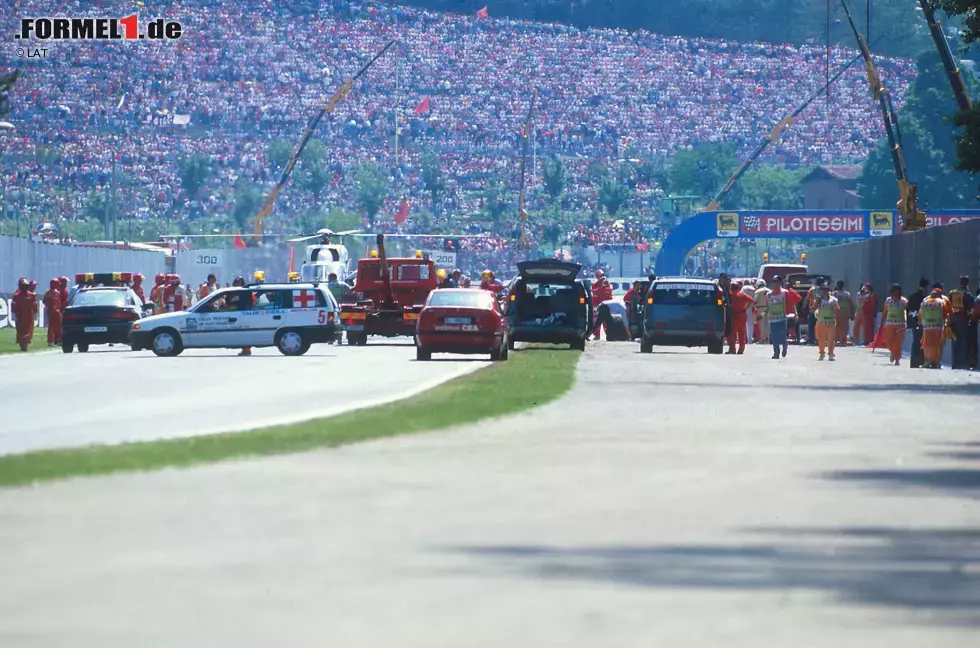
(288, 316)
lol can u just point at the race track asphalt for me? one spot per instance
(675, 499)
(112, 395)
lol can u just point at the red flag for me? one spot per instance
(642, 247)
(879, 341)
(423, 106)
(239, 242)
(483, 13)
(402, 214)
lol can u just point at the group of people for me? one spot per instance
(24, 307)
(934, 317)
(247, 72)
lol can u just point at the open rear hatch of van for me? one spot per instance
(555, 299)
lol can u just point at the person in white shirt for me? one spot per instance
(605, 313)
(749, 290)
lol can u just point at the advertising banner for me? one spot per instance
(814, 224)
(727, 225)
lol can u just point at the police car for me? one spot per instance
(289, 316)
(100, 310)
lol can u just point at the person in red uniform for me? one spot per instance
(869, 311)
(601, 291)
(628, 300)
(63, 290)
(173, 294)
(156, 293)
(138, 286)
(490, 282)
(52, 313)
(741, 303)
(23, 306)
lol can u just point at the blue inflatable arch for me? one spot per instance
(849, 224)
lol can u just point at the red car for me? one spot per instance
(461, 320)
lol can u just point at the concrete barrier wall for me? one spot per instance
(938, 254)
(21, 257)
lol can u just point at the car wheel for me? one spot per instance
(504, 351)
(83, 347)
(497, 353)
(423, 355)
(578, 345)
(134, 347)
(167, 343)
(715, 348)
(67, 347)
(362, 340)
(291, 343)
(510, 343)
(646, 346)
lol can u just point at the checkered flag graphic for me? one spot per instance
(750, 223)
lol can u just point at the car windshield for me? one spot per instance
(543, 290)
(314, 272)
(460, 298)
(99, 298)
(684, 295)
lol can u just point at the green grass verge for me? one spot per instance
(8, 340)
(531, 377)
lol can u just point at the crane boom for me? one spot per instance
(777, 130)
(956, 82)
(328, 106)
(522, 213)
(908, 192)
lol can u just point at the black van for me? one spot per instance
(684, 312)
(547, 303)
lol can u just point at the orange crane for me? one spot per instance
(777, 130)
(956, 82)
(329, 106)
(908, 192)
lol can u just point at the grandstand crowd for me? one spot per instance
(250, 71)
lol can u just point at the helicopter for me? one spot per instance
(324, 257)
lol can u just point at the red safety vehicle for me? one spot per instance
(462, 320)
(388, 295)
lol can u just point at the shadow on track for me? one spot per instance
(956, 390)
(947, 481)
(918, 569)
(961, 456)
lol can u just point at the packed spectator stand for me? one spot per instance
(247, 72)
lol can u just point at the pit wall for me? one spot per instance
(938, 254)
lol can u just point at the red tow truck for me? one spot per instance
(388, 296)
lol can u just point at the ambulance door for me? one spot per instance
(218, 321)
(258, 325)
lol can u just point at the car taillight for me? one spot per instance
(70, 317)
(122, 316)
